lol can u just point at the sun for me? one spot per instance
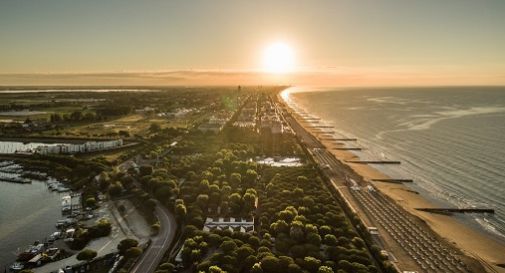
(278, 58)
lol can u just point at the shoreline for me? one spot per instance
(475, 243)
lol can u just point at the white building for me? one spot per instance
(90, 146)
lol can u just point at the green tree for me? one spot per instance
(133, 252)
(86, 255)
(244, 251)
(154, 128)
(250, 177)
(115, 189)
(256, 268)
(228, 246)
(216, 269)
(325, 269)
(180, 211)
(90, 202)
(270, 264)
(126, 244)
(311, 264)
(202, 200)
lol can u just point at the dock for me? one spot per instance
(394, 180)
(456, 210)
(383, 162)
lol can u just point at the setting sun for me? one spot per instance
(278, 58)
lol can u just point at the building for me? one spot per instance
(232, 224)
(214, 125)
(91, 146)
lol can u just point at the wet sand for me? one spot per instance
(470, 241)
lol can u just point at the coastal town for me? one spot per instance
(237, 179)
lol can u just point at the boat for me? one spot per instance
(16, 267)
(30, 252)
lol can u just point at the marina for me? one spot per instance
(33, 210)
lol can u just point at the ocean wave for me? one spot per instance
(426, 123)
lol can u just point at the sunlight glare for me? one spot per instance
(278, 58)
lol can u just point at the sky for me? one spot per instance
(375, 42)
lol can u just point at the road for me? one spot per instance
(159, 243)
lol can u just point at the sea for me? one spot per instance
(450, 140)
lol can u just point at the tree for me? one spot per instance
(91, 202)
(330, 239)
(235, 202)
(76, 116)
(180, 211)
(325, 269)
(243, 252)
(235, 179)
(55, 118)
(228, 246)
(86, 255)
(155, 127)
(314, 238)
(202, 201)
(103, 227)
(216, 269)
(302, 180)
(296, 231)
(115, 189)
(271, 264)
(256, 268)
(311, 264)
(250, 177)
(145, 170)
(167, 266)
(249, 201)
(126, 244)
(294, 268)
(151, 204)
(133, 252)
(89, 116)
(358, 242)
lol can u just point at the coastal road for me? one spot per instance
(159, 243)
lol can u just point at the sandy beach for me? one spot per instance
(472, 242)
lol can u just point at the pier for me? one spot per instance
(346, 139)
(393, 180)
(13, 179)
(321, 126)
(348, 148)
(383, 162)
(463, 210)
(328, 138)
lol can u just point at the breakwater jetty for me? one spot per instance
(393, 180)
(392, 162)
(457, 210)
(348, 148)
